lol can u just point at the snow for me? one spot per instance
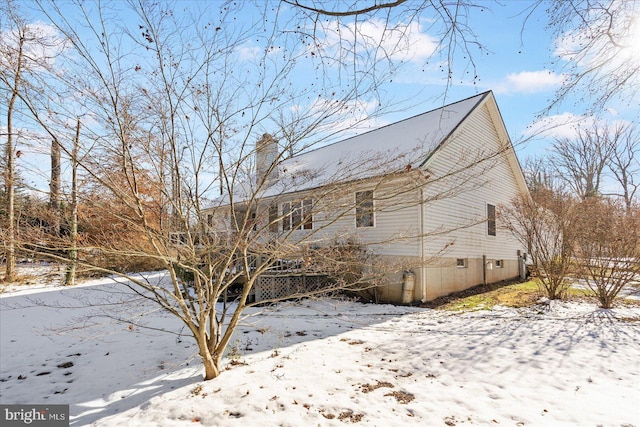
(414, 139)
(385, 150)
(403, 145)
(321, 362)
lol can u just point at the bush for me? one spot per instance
(607, 248)
(544, 224)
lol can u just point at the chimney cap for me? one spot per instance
(266, 139)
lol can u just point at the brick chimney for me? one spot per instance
(266, 158)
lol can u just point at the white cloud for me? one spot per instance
(603, 52)
(558, 126)
(566, 125)
(529, 82)
(401, 42)
(404, 42)
(248, 53)
(593, 46)
(43, 43)
(349, 118)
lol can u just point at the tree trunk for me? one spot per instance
(54, 188)
(211, 367)
(220, 163)
(210, 361)
(70, 278)
(9, 182)
(10, 172)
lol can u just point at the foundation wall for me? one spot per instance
(445, 276)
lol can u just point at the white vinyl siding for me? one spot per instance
(396, 218)
(466, 212)
(396, 222)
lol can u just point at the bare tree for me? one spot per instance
(456, 43)
(581, 162)
(598, 42)
(545, 224)
(607, 248)
(54, 187)
(70, 276)
(350, 9)
(595, 40)
(11, 75)
(27, 52)
(540, 174)
(624, 162)
(191, 107)
(179, 109)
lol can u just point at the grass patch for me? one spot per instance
(508, 294)
(485, 297)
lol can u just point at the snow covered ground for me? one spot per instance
(321, 362)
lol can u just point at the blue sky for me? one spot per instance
(518, 62)
(521, 67)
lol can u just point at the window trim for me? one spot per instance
(296, 215)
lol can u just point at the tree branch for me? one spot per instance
(356, 12)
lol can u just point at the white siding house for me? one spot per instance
(424, 192)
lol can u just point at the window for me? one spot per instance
(253, 221)
(273, 218)
(298, 215)
(491, 220)
(243, 220)
(499, 263)
(286, 216)
(364, 209)
(178, 238)
(307, 214)
(461, 263)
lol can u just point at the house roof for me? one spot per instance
(391, 148)
(403, 145)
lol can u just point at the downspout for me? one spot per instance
(484, 270)
(423, 270)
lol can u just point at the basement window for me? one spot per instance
(461, 263)
(499, 263)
